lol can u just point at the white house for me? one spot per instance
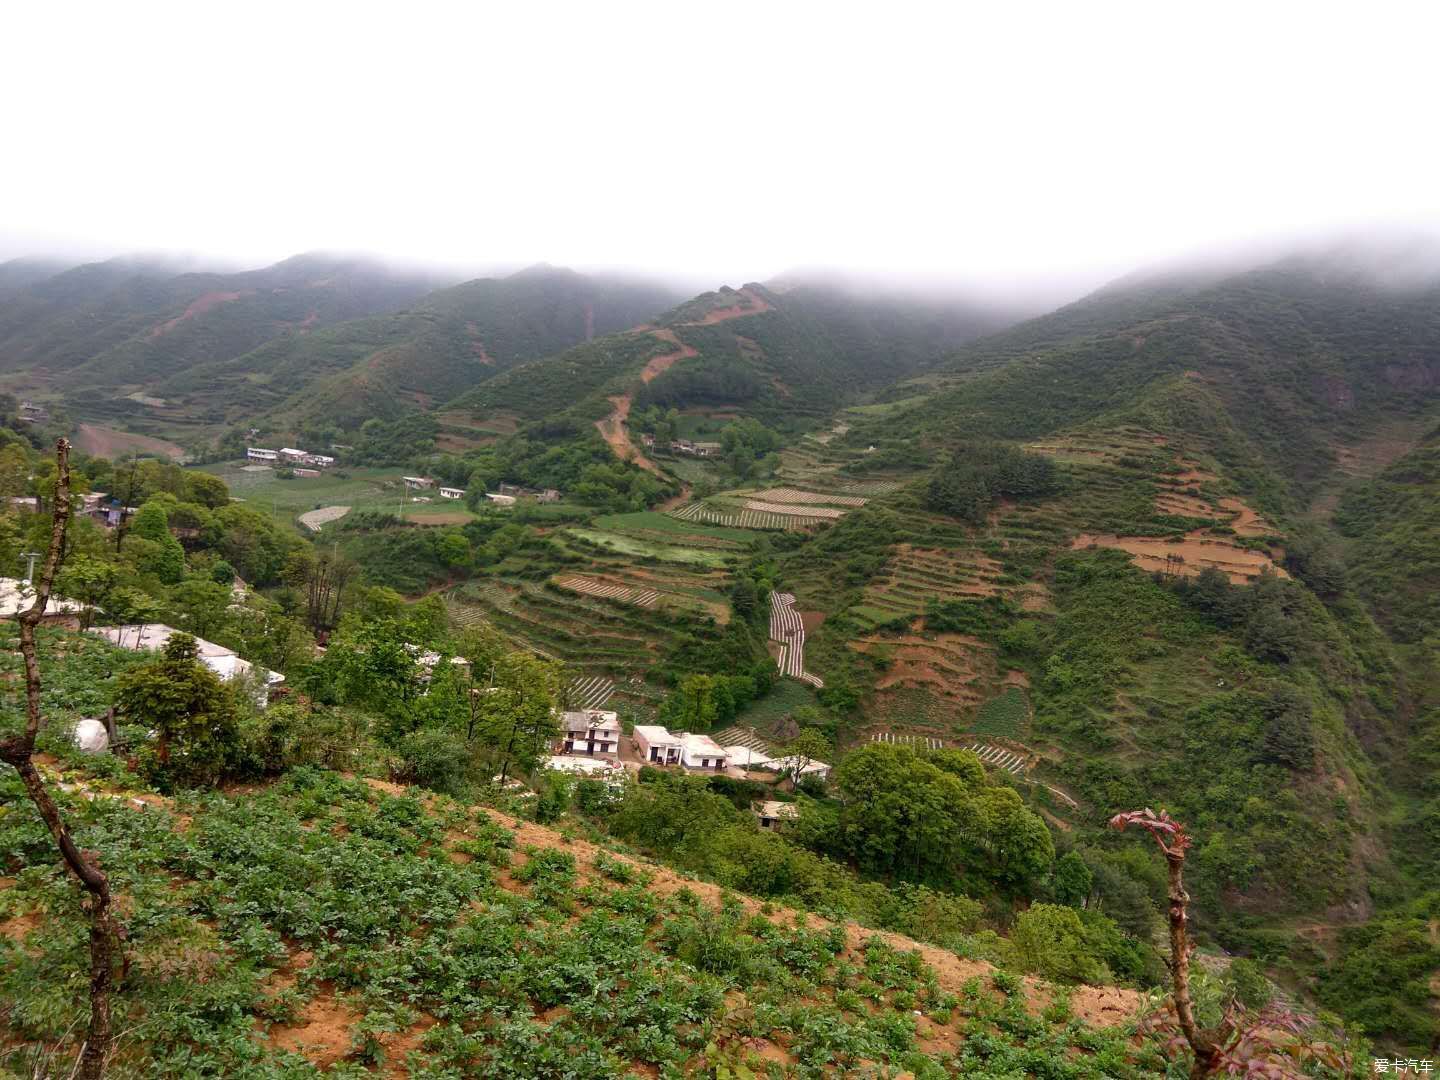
(258, 453)
(418, 482)
(656, 745)
(500, 500)
(590, 731)
(745, 757)
(293, 456)
(701, 752)
(307, 472)
(452, 493)
(320, 461)
(226, 663)
(802, 766)
(585, 766)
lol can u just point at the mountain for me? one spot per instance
(412, 359)
(787, 356)
(102, 332)
(17, 274)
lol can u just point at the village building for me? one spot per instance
(259, 453)
(452, 493)
(226, 663)
(307, 472)
(17, 595)
(590, 731)
(771, 813)
(745, 757)
(701, 752)
(30, 413)
(655, 745)
(500, 500)
(708, 449)
(320, 461)
(420, 482)
(549, 495)
(611, 771)
(292, 456)
(799, 767)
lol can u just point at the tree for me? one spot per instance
(1072, 880)
(1242, 1041)
(195, 716)
(803, 751)
(323, 576)
(517, 713)
(201, 605)
(1051, 941)
(18, 751)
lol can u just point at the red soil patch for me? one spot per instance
(477, 346)
(812, 620)
(1247, 522)
(322, 1032)
(1197, 551)
(18, 927)
(657, 365)
(197, 307)
(311, 318)
(750, 304)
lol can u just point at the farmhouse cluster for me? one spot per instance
(302, 461)
(592, 740)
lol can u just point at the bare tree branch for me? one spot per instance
(19, 751)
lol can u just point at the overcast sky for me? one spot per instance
(726, 140)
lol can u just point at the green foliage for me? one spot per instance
(1052, 941)
(977, 474)
(195, 717)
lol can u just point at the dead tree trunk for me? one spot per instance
(1170, 835)
(19, 751)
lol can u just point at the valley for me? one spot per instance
(1004, 582)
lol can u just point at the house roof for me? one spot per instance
(745, 755)
(701, 746)
(589, 719)
(654, 734)
(16, 595)
(774, 809)
(784, 764)
(153, 636)
(566, 763)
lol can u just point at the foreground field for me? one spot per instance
(328, 924)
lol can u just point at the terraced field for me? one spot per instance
(955, 670)
(589, 692)
(914, 575)
(793, 495)
(607, 590)
(702, 514)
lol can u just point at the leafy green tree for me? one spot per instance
(196, 718)
(517, 713)
(1071, 880)
(803, 751)
(1051, 941)
(201, 605)
(206, 489)
(151, 522)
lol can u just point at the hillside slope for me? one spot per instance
(434, 350)
(322, 920)
(786, 358)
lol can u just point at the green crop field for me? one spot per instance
(359, 489)
(625, 545)
(1007, 715)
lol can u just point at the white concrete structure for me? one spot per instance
(701, 752)
(585, 766)
(500, 500)
(452, 493)
(801, 765)
(292, 455)
(590, 731)
(259, 453)
(772, 813)
(17, 595)
(745, 757)
(226, 663)
(418, 482)
(656, 745)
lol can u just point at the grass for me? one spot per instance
(626, 545)
(360, 489)
(766, 713)
(648, 522)
(1007, 715)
